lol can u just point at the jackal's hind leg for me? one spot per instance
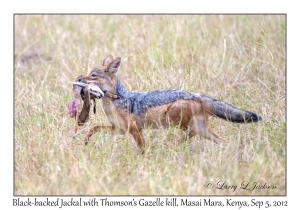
(96, 129)
(211, 135)
(188, 134)
(202, 127)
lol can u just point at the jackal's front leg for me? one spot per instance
(97, 128)
(138, 137)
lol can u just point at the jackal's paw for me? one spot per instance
(142, 151)
(85, 141)
(223, 144)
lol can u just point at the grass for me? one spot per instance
(239, 59)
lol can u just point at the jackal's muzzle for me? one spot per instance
(84, 92)
(80, 105)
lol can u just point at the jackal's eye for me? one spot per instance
(94, 75)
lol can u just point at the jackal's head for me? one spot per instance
(104, 76)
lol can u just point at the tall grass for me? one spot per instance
(239, 59)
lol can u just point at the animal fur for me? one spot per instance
(134, 111)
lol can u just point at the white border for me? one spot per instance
(154, 6)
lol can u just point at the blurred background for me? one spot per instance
(239, 59)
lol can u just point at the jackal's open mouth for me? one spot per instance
(80, 93)
(93, 88)
(83, 93)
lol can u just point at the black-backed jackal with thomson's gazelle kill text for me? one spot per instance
(133, 111)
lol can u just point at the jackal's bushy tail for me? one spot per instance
(228, 112)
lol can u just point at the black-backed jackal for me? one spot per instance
(134, 111)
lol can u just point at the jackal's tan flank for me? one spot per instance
(133, 111)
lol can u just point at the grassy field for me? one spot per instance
(239, 59)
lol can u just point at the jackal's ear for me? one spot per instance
(107, 60)
(113, 68)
